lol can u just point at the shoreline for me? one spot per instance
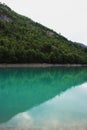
(18, 65)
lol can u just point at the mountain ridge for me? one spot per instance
(24, 41)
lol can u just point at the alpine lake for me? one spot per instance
(49, 98)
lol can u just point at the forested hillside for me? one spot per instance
(24, 41)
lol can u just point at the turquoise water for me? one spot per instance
(43, 98)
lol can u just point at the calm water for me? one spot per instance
(43, 98)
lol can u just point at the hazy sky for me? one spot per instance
(68, 17)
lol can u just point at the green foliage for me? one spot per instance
(24, 41)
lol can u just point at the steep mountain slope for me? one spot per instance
(25, 41)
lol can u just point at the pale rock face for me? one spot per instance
(5, 18)
(50, 33)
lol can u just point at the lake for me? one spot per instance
(52, 98)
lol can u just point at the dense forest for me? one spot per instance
(24, 41)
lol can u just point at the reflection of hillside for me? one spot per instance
(22, 89)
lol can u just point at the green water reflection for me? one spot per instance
(43, 98)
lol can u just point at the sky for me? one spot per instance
(68, 17)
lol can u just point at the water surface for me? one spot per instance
(43, 98)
